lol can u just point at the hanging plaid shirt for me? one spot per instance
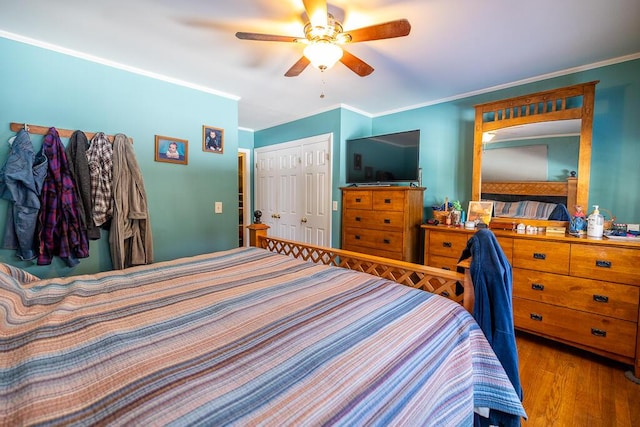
(60, 230)
(100, 157)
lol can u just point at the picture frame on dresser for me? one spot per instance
(480, 211)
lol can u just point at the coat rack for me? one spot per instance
(43, 130)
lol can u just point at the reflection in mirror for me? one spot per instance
(546, 151)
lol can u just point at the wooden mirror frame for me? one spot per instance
(539, 107)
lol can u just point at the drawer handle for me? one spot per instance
(445, 294)
(387, 201)
(538, 287)
(598, 332)
(386, 241)
(446, 244)
(358, 219)
(357, 237)
(537, 317)
(358, 199)
(537, 255)
(601, 298)
(603, 264)
(387, 221)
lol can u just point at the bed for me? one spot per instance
(528, 202)
(247, 336)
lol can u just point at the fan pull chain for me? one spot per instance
(323, 85)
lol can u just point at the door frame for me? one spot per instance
(246, 195)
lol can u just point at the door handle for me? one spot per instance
(276, 216)
(304, 219)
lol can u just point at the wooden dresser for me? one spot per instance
(583, 292)
(383, 221)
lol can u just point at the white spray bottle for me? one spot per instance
(595, 223)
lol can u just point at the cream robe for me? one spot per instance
(130, 237)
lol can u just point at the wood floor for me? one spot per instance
(568, 387)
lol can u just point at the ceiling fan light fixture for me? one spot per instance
(323, 54)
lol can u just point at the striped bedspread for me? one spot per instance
(240, 337)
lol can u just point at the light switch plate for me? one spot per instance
(335, 205)
(218, 207)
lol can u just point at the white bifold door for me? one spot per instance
(293, 189)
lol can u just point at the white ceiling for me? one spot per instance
(455, 48)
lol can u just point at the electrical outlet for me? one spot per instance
(217, 207)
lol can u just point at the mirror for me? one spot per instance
(567, 110)
(546, 151)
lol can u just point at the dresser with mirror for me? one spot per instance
(576, 290)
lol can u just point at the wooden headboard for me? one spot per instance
(544, 191)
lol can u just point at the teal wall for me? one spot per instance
(343, 124)
(51, 89)
(446, 133)
(46, 88)
(562, 154)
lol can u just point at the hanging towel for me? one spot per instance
(60, 230)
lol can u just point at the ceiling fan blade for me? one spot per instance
(298, 67)
(316, 11)
(388, 30)
(265, 37)
(356, 64)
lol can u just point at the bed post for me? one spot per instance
(256, 232)
(469, 293)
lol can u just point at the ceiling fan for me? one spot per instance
(324, 37)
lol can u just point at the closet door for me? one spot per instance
(316, 198)
(293, 189)
(287, 221)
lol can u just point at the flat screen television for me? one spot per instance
(379, 159)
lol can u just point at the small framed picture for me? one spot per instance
(171, 150)
(480, 211)
(212, 139)
(357, 161)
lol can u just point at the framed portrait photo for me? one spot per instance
(212, 139)
(171, 150)
(357, 161)
(480, 211)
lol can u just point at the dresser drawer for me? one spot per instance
(607, 263)
(552, 257)
(506, 243)
(604, 333)
(443, 262)
(381, 220)
(377, 239)
(374, 251)
(388, 200)
(358, 199)
(448, 244)
(594, 296)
